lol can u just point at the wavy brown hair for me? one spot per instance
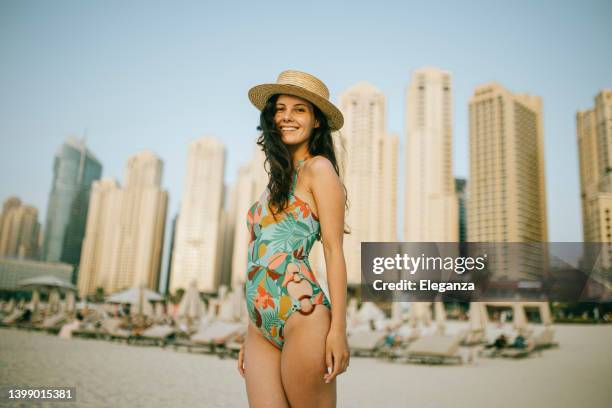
(278, 163)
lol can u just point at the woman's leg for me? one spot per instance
(303, 355)
(262, 362)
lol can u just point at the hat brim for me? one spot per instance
(259, 95)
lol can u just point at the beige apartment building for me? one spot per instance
(199, 226)
(594, 134)
(252, 181)
(19, 230)
(125, 228)
(369, 163)
(507, 192)
(431, 206)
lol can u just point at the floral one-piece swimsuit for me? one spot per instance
(278, 255)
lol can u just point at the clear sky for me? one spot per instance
(156, 75)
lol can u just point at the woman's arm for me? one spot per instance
(329, 195)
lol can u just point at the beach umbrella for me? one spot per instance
(8, 308)
(519, 320)
(46, 281)
(69, 302)
(54, 301)
(351, 312)
(239, 303)
(478, 316)
(420, 312)
(211, 314)
(21, 304)
(134, 296)
(440, 317)
(191, 304)
(159, 310)
(545, 314)
(368, 312)
(35, 302)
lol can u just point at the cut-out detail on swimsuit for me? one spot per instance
(278, 255)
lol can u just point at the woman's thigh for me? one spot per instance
(303, 360)
(262, 362)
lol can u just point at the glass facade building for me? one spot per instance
(74, 170)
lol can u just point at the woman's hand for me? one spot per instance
(336, 354)
(241, 360)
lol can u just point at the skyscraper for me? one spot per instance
(594, 134)
(19, 230)
(369, 171)
(251, 183)
(125, 229)
(507, 194)
(461, 190)
(430, 201)
(197, 242)
(74, 170)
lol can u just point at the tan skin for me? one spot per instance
(297, 375)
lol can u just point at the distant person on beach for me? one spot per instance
(500, 342)
(296, 342)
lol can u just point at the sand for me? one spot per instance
(108, 374)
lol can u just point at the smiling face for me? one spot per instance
(294, 119)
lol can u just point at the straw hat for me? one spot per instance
(302, 85)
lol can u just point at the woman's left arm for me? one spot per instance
(330, 198)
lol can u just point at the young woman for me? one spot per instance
(296, 341)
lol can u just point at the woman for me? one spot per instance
(296, 341)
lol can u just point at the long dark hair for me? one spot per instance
(279, 164)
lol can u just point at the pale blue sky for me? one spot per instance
(158, 74)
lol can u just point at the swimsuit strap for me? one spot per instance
(295, 175)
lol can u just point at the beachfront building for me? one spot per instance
(461, 191)
(125, 229)
(75, 168)
(594, 134)
(252, 181)
(369, 162)
(507, 194)
(19, 230)
(430, 206)
(199, 228)
(13, 270)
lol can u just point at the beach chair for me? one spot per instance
(365, 343)
(54, 323)
(158, 335)
(13, 317)
(472, 337)
(87, 330)
(212, 337)
(545, 339)
(112, 331)
(514, 352)
(434, 349)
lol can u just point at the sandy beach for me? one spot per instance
(108, 374)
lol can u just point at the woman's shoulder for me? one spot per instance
(319, 166)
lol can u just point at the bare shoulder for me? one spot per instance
(320, 166)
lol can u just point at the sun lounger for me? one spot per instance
(514, 352)
(156, 334)
(113, 332)
(545, 339)
(54, 323)
(473, 337)
(434, 349)
(13, 317)
(365, 343)
(211, 337)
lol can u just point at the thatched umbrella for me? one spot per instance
(519, 320)
(191, 306)
(440, 317)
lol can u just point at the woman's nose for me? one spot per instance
(286, 114)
